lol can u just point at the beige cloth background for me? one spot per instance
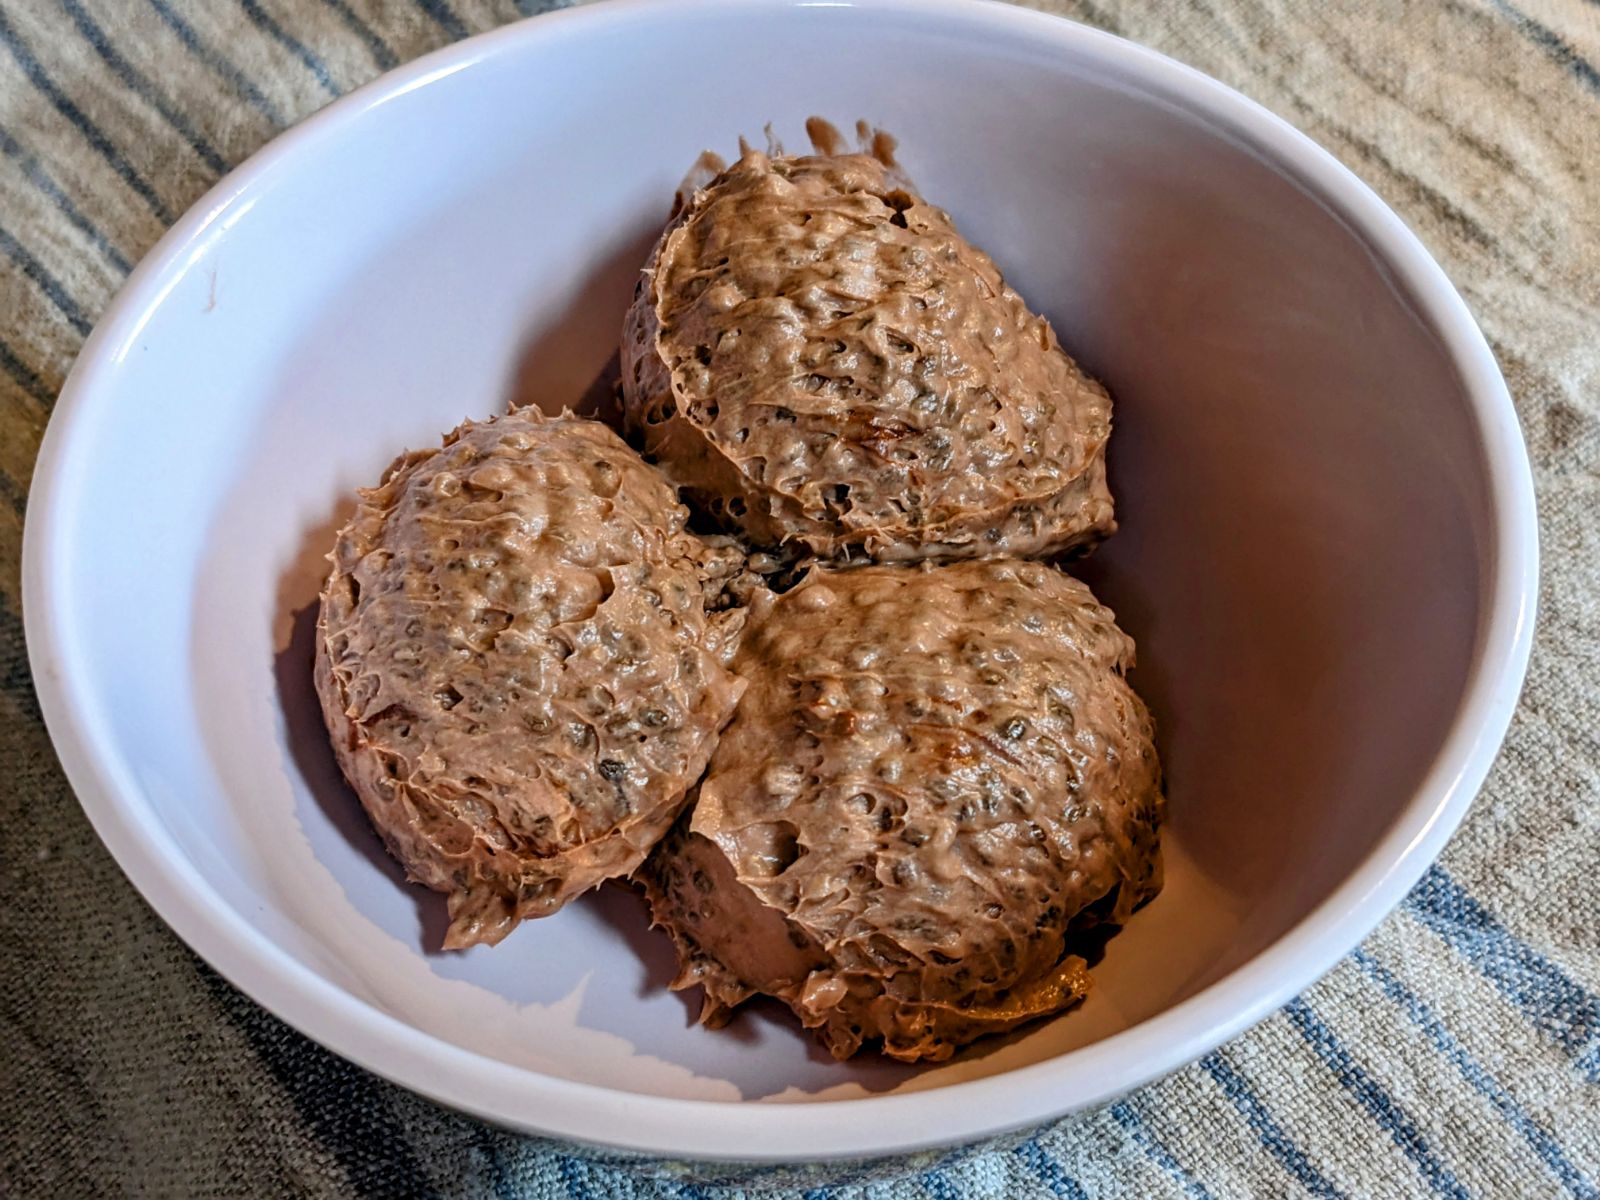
(1458, 1053)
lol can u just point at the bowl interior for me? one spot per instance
(1300, 487)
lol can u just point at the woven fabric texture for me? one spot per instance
(1457, 1052)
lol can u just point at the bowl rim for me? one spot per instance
(740, 1131)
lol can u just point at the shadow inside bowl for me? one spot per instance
(308, 746)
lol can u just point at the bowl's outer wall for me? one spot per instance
(1307, 558)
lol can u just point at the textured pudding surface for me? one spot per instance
(935, 774)
(521, 658)
(818, 358)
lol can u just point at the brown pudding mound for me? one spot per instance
(522, 663)
(934, 776)
(821, 361)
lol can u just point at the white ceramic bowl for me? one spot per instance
(1327, 555)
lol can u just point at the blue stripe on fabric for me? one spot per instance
(690, 1192)
(577, 1187)
(958, 1156)
(135, 82)
(1370, 1094)
(25, 376)
(264, 22)
(1558, 1007)
(1589, 1064)
(498, 1180)
(821, 1193)
(445, 18)
(1553, 44)
(37, 176)
(937, 1184)
(1049, 1171)
(1272, 1136)
(1536, 1135)
(240, 81)
(91, 132)
(376, 46)
(1130, 1120)
(46, 282)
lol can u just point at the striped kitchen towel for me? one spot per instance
(1456, 1053)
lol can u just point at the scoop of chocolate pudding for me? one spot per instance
(521, 658)
(935, 775)
(821, 361)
